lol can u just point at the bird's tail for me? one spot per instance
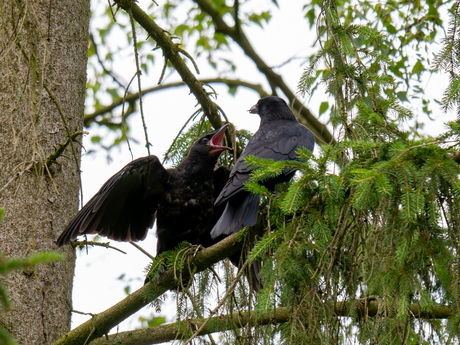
(252, 274)
(240, 211)
(254, 278)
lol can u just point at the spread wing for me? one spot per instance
(124, 208)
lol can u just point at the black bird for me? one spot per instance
(180, 199)
(278, 137)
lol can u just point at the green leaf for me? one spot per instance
(311, 16)
(258, 18)
(232, 89)
(323, 107)
(418, 68)
(402, 95)
(113, 93)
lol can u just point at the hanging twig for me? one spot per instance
(136, 55)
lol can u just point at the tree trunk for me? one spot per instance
(43, 55)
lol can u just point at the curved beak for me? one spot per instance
(254, 109)
(216, 141)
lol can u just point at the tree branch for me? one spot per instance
(173, 53)
(88, 120)
(103, 322)
(60, 150)
(173, 331)
(109, 72)
(304, 115)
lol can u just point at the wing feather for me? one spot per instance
(124, 207)
(283, 146)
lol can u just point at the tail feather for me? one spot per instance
(254, 279)
(239, 212)
(252, 275)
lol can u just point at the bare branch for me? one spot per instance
(85, 243)
(172, 331)
(173, 53)
(89, 118)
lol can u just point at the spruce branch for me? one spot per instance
(173, 331)
(103, 322)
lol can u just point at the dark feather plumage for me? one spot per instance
(181, 199)
(279, 136)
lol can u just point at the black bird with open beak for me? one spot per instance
(180, 199)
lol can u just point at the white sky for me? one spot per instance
(96, 286)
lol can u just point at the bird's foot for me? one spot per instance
(198, 247)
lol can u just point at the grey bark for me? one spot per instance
(43, 55)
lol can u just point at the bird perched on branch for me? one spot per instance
(180, 199)
(278, 137)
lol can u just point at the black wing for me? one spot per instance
(221, 175)
(279, 141)
(124, 208)
(284, 146)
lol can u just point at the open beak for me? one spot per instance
(216, 141)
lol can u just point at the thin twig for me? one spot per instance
(114, 77)
(123, 116)
(180, 132)
(139, 73)
(198, 312)
(142, 250)
(182, 51)
(82, 313)
(85, 243)
(163, 70)
(222, 301)
(19, 174)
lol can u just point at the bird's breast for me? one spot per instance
(187, 206)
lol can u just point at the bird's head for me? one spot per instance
(211, 143)
(272, 108)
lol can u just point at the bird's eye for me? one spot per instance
(205, 140)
